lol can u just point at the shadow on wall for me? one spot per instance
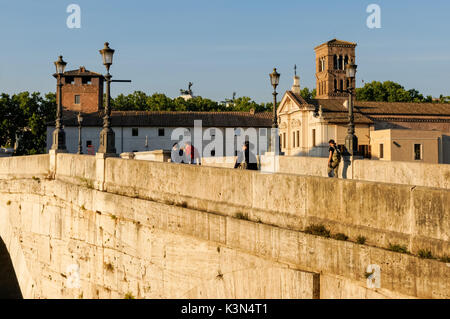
(9, 286)
(446, 149)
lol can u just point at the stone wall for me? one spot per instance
(163, 230)
(408, 173)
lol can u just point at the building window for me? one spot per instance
(86, 80)
(298, 138)
(77, 99)
(341, 84)
(284, 140)
(134, 131)
(88, 143)
(381, 150)
(160, 132)
(417, 152)
(314, 137)
(293, 140)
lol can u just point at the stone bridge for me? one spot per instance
(74, 226)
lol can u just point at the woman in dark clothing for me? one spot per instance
(246, 159)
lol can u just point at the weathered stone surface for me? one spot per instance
(162, 230)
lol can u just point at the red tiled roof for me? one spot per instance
(82, 72)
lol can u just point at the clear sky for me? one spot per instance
(222, 46)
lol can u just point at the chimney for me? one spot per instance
(296, 87)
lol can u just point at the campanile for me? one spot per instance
(331, 59)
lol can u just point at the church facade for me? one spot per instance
(307, 126)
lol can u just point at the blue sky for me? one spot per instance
(222, 46)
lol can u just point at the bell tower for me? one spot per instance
(331, 59)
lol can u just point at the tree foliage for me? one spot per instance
(24, 118)
(389, 92)
(139, 101)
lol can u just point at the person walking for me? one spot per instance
(191, 154)
(246, 159)
(334, 159)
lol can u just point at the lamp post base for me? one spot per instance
(59, 140)
(351, 144)
(107, 142)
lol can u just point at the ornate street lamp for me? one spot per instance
(274, 80)
(351, 141)
(80, 121)
(274, 136)
(107, 136)
(59, 136)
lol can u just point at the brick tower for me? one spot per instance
(82, 91)
(331, 59)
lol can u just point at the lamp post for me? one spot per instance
(107, 136)
(351, 141)
(274, 80)
(80, 121)
(59, 136)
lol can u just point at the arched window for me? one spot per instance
(340, 62)
(335, 84)
(335, 62)
(341, 84)
(345, 61)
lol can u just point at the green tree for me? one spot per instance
(389, 91)
(307, 94)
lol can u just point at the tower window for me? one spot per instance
(69, 80)
(77, 99)
(134, 131)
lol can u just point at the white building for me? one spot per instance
(147, 131)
